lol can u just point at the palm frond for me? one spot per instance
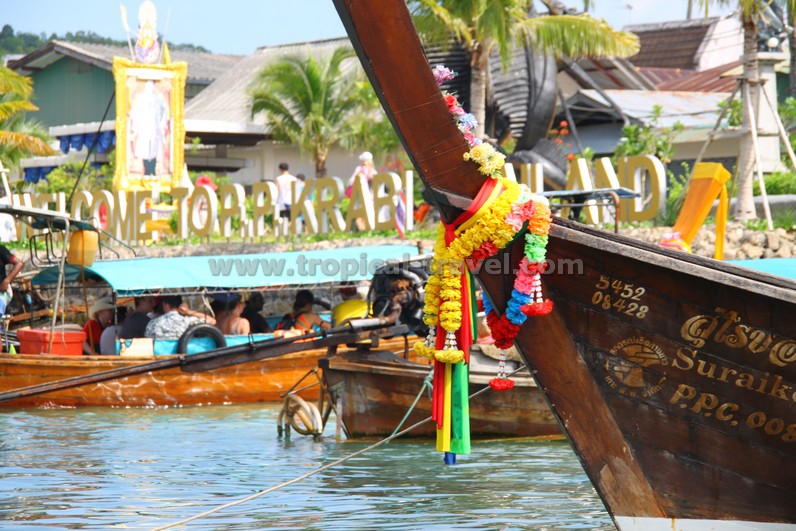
(13, 83)
(13, 107)
(579, 36)
(26, 143)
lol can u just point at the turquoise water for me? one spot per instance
(145, 468)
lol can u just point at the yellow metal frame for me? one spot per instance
(123, 70)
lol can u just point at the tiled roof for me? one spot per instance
(671, 44)
(202, 66)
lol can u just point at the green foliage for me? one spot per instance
(778, 183)
(648, 140)
(19, 137)
(787, 113)
(781, 219)
(63, 178)
(735, 112)
(675, 196)
(24, 43)
(315, 103)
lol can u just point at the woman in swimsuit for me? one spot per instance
(305, 319)
(235, 325)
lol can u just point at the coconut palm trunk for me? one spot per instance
(479, 71)
(791, 15)
(745, 203)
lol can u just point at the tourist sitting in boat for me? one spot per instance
(6, 293)
(220, 309)
(134, 325)
(111, 333)
(233, 324)
(176, 319)
(303, 318)
(101, 313)
(254, 305)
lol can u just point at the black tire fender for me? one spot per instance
(200, 330)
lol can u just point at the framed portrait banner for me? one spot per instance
(150, 128)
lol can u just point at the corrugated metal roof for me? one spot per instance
(613, 73)
(692, 109)
(201, 66)
(719, 79)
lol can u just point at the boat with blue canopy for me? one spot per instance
(250, 368)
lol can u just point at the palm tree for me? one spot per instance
(482, 26)
(749, 12)
(19, 138)
(310, 102)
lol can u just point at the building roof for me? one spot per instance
(228, 99)
(203, 67)
(692, 109)
(613, 73)
(718, 79)
(671, 44)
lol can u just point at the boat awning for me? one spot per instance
(191, 274)
(783, 267)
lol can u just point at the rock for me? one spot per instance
(730, 254)
(769, 253)
(758, 239)
(773, 240)
(785, 252)
(734, 235)
(751, 250)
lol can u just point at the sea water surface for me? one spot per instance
(144, 468)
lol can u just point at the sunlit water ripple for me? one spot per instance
(144, 468)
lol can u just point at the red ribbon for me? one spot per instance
(464, 340)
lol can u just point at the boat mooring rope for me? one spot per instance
(317, 470)
(427, 384)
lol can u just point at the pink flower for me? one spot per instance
(523, 281)
(442, 74)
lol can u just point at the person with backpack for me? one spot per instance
(303, 318)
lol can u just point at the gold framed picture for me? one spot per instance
(150, 128)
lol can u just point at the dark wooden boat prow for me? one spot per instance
(673, 376)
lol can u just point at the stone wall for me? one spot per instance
(740, 242)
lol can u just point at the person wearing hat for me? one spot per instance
(366, 170)
(101, 313)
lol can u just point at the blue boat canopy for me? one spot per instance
(240, 272)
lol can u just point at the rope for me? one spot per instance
(426, 385)
(316, 471)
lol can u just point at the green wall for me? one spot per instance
(70, 91)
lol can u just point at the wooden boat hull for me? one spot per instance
(374, 393)
(672, 375)
(256, 381)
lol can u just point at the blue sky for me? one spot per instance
(240, 26)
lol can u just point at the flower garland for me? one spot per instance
(495, 225)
